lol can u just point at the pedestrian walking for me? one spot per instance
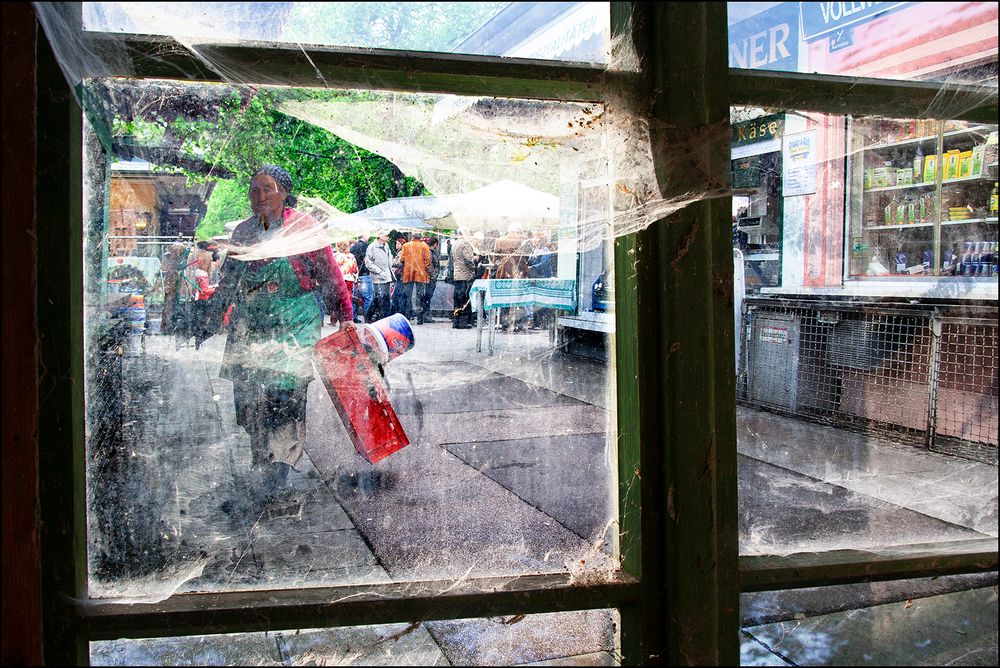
(435, 247)
(278, 306)
(416, 259)
(363, 290)
(378, 261)
(465, 261)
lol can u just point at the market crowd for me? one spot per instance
(397, 272)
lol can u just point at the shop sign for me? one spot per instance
(820, 19)
(766, 41)
(765, 128)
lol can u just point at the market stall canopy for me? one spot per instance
(406, 212)
(500, 204)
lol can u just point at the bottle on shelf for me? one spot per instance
(918, 166)
(964, 260)
(890, 211)
(949, 260)
(985, 259)
(901, 259)
(972, 266)
(927, 258)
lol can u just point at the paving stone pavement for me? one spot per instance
(509, 471)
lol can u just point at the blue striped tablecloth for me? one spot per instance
(559, 293)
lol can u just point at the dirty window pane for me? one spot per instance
(568, 31)
(866, 339)
(216, 456)
(930, 622)
(587, 637)
(938, 41)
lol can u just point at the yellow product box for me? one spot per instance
(964, 164)
(951, 160)
(930, 168)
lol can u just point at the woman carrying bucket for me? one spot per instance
(280, 276)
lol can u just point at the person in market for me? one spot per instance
(378, 261)
(363, 288)
(398, 300)
(465, 263)
(278, 308)
(416, 259)
(203, 275)
(348, 266)
(511, 253)
(435, 247)
(540, 266)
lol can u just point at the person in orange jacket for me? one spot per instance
(416, 258)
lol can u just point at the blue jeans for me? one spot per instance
(399, 298)
(380, 303)
(364, 289)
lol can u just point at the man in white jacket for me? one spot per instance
(378, 260)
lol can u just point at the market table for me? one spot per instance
(496, 293)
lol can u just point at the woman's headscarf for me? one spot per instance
(282, 178)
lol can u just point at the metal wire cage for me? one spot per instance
(925, 376)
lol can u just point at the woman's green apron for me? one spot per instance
(272, 329)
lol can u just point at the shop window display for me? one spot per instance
(923, 200)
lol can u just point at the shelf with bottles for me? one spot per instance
(931, 184)
(970, 258)
(918, 133)
(967, 154)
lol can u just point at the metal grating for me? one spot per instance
(912, 376)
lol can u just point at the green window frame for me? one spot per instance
(678, 589)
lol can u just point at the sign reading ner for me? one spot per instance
(768, 40)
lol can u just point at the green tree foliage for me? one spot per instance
(248, 131)
(415, 26)
(227, 203)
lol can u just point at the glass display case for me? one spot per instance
(923, 200)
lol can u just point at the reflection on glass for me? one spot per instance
(866, 346)
(342, 337)
(568, 31)
(952, 42)
(588, 637)
(935, 621)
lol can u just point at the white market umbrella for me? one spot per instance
(406, 212)
(500, 204)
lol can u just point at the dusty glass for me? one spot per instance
(549, 31)
(950, 620)
(470, 431)
(947, 42)
(586, 637)
(866, 346)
